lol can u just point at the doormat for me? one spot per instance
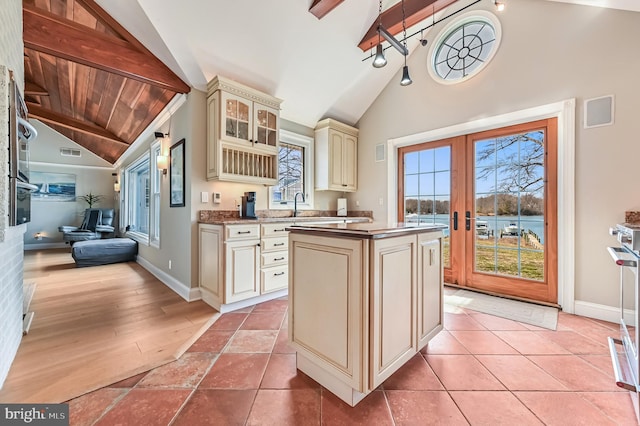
(530, 313)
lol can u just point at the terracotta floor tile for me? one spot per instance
(146, 407)
(245, 310)
(263, 321)
(252, 341)
(282, 343)
(601, 362)
(371, 411)
(493, 408)
(496, 323)
(414, 375)
(483, 342)
(281, 373)
(576, 343)
(462, 372)
(517, 372)
(212, 341)
(186, 372)
(530, 343)
(230, 321)
(461, 322)
(563, 408)
(216, 407)
(444, 344)
(236, 371)
(586, 326)
(286, 407)
(85, 410)
(575, 373)
(423, 408)
(276, 305)
(130, 382)
(615, 405)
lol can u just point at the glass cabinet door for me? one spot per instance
(266, 125)
(236, 118)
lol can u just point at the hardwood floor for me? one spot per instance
(95, 326)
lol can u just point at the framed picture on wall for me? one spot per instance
(176, 174)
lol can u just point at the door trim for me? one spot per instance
(565, 113)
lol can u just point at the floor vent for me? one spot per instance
(70, 152)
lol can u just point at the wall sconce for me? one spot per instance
(499, 5)
(116, 184)
(162, 162)
(38, 236)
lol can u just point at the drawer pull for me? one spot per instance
(277, 274)
(279, 230)
(278, 244)
(278, 258)
(244, 232)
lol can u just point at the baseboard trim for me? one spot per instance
(601, 312)
(186, 292)
(45, 246)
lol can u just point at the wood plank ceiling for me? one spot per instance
(90, 79)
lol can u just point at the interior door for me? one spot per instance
(500, 206)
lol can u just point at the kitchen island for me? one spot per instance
(364, 298)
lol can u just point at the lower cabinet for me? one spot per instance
(379, 300)
(240, 263)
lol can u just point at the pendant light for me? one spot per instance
(406, 80)
(379, 61)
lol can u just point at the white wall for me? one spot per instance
(11, 246)
(549, 52)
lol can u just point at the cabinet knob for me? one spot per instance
(344, 184)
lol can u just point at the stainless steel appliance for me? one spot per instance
(21, 133)
(249, 205)
(624, 348)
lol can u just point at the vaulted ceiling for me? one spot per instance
(100, 85)
(88, 78)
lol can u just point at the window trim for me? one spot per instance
(155, 190)
(140, 237)
(305, 142)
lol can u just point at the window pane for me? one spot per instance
(290, 173)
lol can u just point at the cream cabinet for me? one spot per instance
(243, 125)
(274, 259)
(336, 156)
(380, 301)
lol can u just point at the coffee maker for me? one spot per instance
(249, 205)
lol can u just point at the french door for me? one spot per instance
(497, 193)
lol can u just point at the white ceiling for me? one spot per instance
(278, 47)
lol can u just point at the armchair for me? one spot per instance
(96, 224)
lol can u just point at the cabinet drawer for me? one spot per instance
(276, 278)
(274, 229)
(242, 232)
(275, 258)
(270, 244)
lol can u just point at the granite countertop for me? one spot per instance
(371, 230)
(291, 220)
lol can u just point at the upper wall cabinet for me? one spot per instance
(242, 133)
(336, 156)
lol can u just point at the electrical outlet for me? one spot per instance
(357, 203)
(169, 264)
(217, 198)
(381, 201)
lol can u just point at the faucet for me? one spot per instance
(295, 203)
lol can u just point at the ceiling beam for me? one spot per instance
(47, 116)
(320, 8)
(34, 89)
(415, 11)
(51, 34)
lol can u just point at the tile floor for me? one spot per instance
(481, 370)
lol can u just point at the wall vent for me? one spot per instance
(379, 152)
(70, 152)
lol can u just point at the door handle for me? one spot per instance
(467, 220)
(455, 221)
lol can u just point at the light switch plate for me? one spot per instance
(204, 197)
(217, 198)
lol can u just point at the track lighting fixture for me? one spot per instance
(379, 61)
(406, 80)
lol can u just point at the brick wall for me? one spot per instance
(11, 238)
